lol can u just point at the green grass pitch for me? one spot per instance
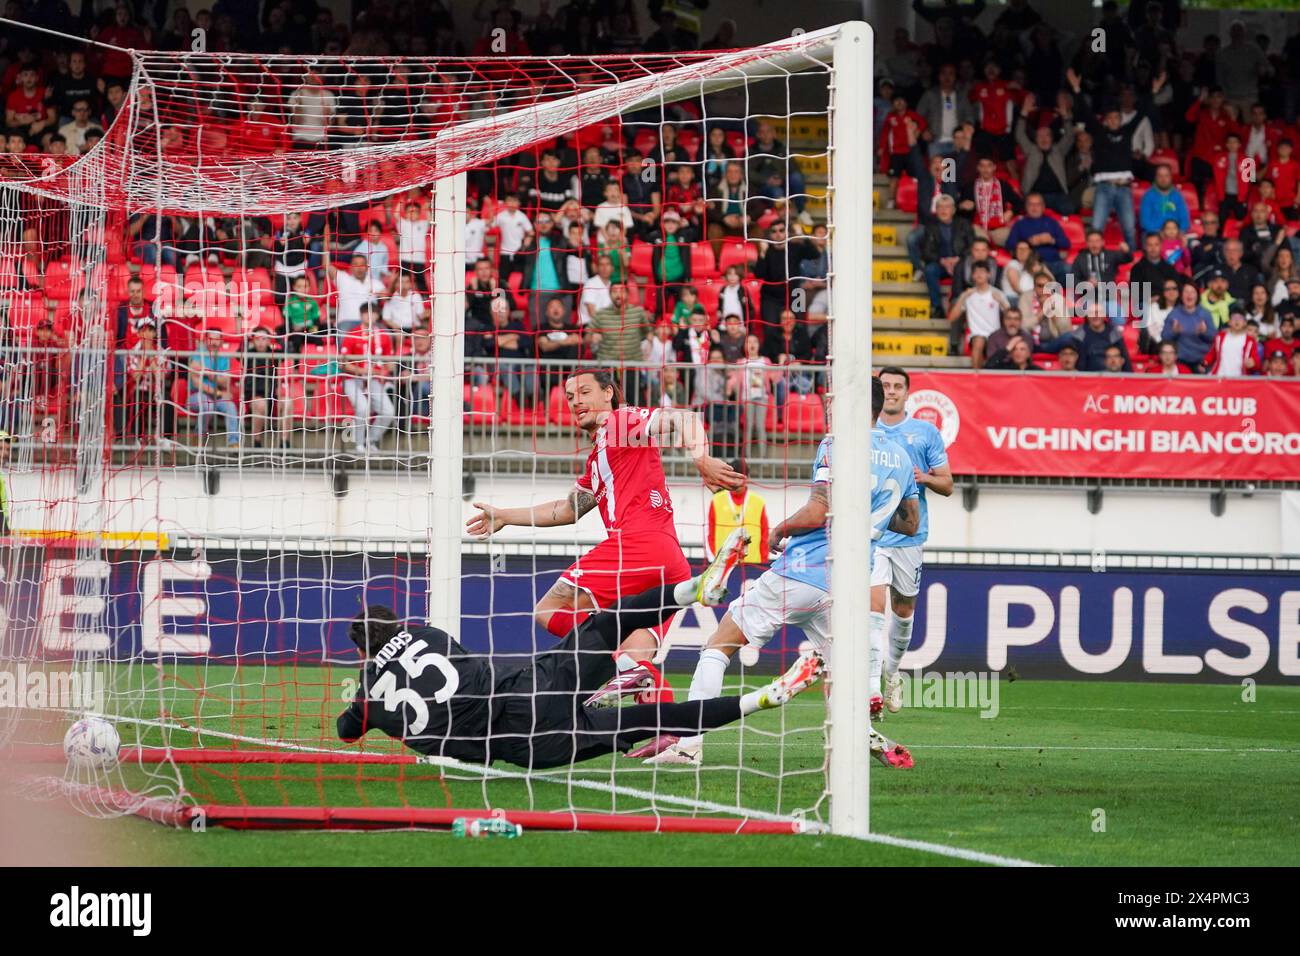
(1067, 773)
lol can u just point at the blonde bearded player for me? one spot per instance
(624, 478)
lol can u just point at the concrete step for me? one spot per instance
(908, 344)
(920, 361)
(891, 324)
(879, 251)
(893, 271)
(901, 287)
(889, 234)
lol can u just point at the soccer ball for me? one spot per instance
(92, 743)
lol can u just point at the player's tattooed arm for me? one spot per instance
(683, 428)
(562, 511)
(907, 519)
(580, 501)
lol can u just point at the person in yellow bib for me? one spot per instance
(740, 508)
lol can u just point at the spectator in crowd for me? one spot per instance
(595, 291)
(291, 248)
(1167, 361)
(1115, 359)
(732, 297)
(74, 131)
(1092, 339)
(612, 243)
(1152, 269)
(404, 310)
(1231, 177)
(1283, 271)
(77, 83)
(1259, 311)
(146, 411)
(946, 242)
(1284, 173)
(558, 340)
(1285, 342)
(1275, 366)
(593, 178)
(944, 108)
(1018, 275)
(1216, 299)
(901, 127)
(670, 260)
(1261, 239)
(962, 279)
(1240, 66)
(508, 340)
(210, 386)
(513, 227)
(1163, 202)
(1174, 250)
(693, 345)
(552, 188)
(994, 100)
(930, 185)
(982, 306)
(260, 379)
(1156, 313)
(775, 171)
(26, 108)
(1067, 359)
(1095, 263)
(1235, 351)
(688, 304)
(990, 202)
(756, 394)
(720, 391)
(731, 338)
(302, 317)
(376, 252)
(413, 244)
(686, 197)
(614, 208)
(1017, 356)
(790, 345)
(642, 195)
(1044, 169)
(614, 336)
(1112, 172)
(1078, 170)
(311, 112)
(356, 289)
(778, 260)
(1191, 328)
(1207, 248)
(1044, 235)
(545, 253)
(364, 352)
(999, 342)
(1242, 276)
(415, 373)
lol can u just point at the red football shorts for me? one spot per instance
(623, 566)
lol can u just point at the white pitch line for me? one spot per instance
(1170, 750)
(956, 852)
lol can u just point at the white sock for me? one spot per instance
(900, 635)
(876, 634)
(748, 705)
(706, 684)
(624, 662)
(684, 592)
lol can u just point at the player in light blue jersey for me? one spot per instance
(795, 589)
(896, 564)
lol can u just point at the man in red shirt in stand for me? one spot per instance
(26, 107)
(1213, 124)
(995, 99)
(367, 380)
(624, 478)
(1284, 172)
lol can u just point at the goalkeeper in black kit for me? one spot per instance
(420, 686)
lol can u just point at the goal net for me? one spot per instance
(208, 478)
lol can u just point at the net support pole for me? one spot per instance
(850, 266)
(446, 406)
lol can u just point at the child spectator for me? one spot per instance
(1173, 250)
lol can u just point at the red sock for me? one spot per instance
(562, 621)
(663, 689)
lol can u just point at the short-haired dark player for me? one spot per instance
(420, 686)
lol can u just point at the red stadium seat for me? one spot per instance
(58, 280)
(710, 292)
(1139, 189)
(645, 141)
(1189, 197)
(641, 264)
(738, 142)
(482, 405)
(736, 254)
(905, 195)
(557, 408)
(688, 138)
(702, 263)
(512, 414)
(805, 415)
(1075, 232)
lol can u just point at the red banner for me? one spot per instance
(1098, 426)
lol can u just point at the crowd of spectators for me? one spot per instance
(1124, 200)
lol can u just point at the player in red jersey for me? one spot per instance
(624, 478)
